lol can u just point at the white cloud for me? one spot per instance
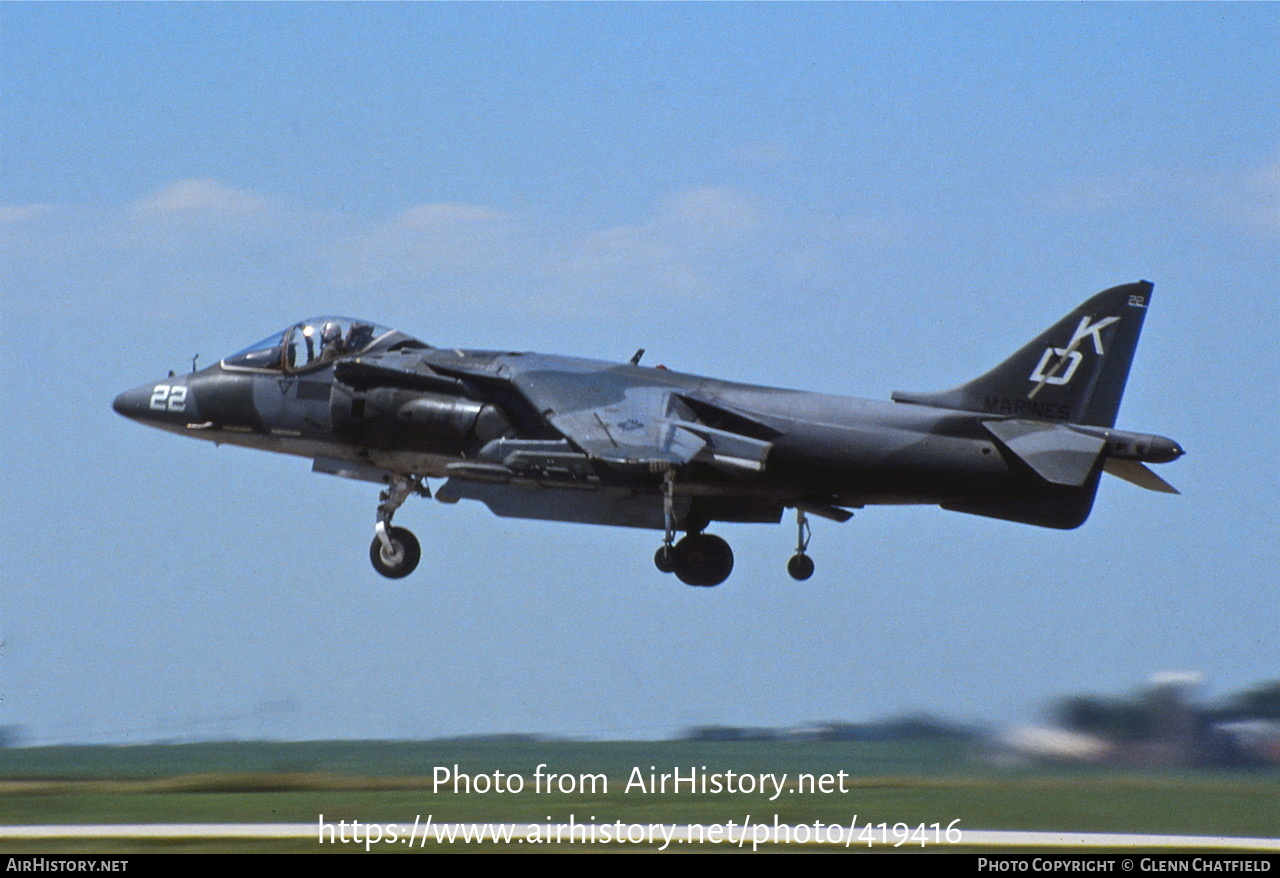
(431, 244)
(1258, 204)
(1090, 197)
(431, 216)
(1239, 198)
(205, 215)
(765, 152)
(446, 234)
(676, 253)
(21, 213)
(709, 216)
(201, 197)
(206, 241)
(698, 220)
(480, 257)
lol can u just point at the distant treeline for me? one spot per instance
(912, 728)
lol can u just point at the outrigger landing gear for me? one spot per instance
(395, 551)
(699, 559)
(801, 565)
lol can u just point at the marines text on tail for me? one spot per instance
(566, 439)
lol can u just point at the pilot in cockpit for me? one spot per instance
(331, 344)
(361, 335)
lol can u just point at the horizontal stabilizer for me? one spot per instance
(1138, 474)
(1058, 454)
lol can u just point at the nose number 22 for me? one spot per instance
(167, 398)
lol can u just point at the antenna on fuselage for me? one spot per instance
(635, 358)
(193, 362)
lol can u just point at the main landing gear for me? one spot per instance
(705, 560)
(699, 559)
(395, 551)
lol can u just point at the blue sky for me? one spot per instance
(852, 198)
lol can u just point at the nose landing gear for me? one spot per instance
(395, 551)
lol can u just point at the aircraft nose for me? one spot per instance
(162, 404)
(134, 403)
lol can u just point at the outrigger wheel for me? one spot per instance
(401, 558)
(801, 565)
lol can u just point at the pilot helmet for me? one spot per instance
(330, 333)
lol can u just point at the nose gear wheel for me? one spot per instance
(401, 558)
(395, 551)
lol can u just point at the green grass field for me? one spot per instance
(384, 782)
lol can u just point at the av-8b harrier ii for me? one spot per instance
(575, 440)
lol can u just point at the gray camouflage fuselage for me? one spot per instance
(541, 436)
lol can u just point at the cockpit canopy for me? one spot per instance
(317, 342)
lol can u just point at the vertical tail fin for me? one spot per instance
(1073, 372)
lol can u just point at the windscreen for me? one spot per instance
(308, 344)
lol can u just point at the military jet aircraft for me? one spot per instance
(567, 439)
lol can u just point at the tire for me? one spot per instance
(800, 567)
(409, 554)
(703, 560)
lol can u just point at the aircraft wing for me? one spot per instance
(652, 428)
(617, 416)
(637, 430)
